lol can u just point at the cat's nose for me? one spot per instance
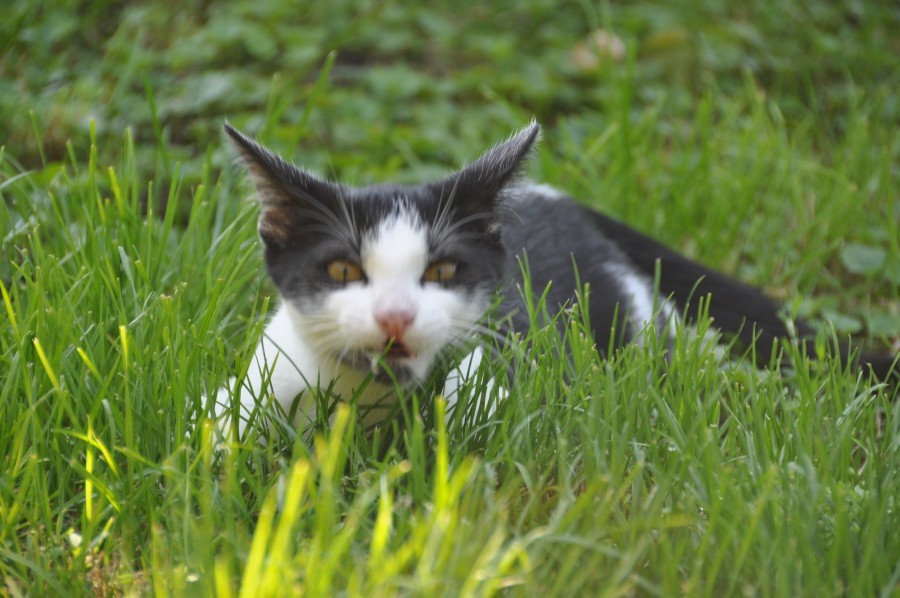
(394, 322)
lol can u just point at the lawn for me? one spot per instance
(759, 138)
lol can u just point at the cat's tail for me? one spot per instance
(735, 307)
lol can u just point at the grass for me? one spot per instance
(132, 287)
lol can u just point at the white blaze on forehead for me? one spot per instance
(397, 249)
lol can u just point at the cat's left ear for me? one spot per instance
(480, 184)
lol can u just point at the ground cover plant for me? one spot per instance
(759, 138)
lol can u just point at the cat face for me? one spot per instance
(384, 277)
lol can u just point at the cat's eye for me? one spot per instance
(440, 271)
(344, 271)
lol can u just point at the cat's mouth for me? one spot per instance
(388, 363)
(396, 350)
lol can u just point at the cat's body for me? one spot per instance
(378, 281)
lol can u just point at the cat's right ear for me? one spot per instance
(285, 191)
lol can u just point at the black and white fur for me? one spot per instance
(358, 337)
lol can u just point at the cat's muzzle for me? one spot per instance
(386, 366)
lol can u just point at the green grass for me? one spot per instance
(759, 139)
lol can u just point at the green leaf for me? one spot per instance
(843, 323)
(884, 324)
(258, 41)
(892, 271)
(863, 259)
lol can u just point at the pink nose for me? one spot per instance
(394, 322)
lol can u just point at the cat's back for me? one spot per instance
(549, 224)
(554, 239)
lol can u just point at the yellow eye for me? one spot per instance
(441, 271)
(344, 271)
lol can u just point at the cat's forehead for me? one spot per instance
(399, 217)
(395, 196)
(396, 247)
(375, 204)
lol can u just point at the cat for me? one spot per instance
(378, 281)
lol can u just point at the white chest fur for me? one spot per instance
(284, 368)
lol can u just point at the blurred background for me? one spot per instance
(416, 85)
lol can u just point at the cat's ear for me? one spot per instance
(285, 191)
(480, 183)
